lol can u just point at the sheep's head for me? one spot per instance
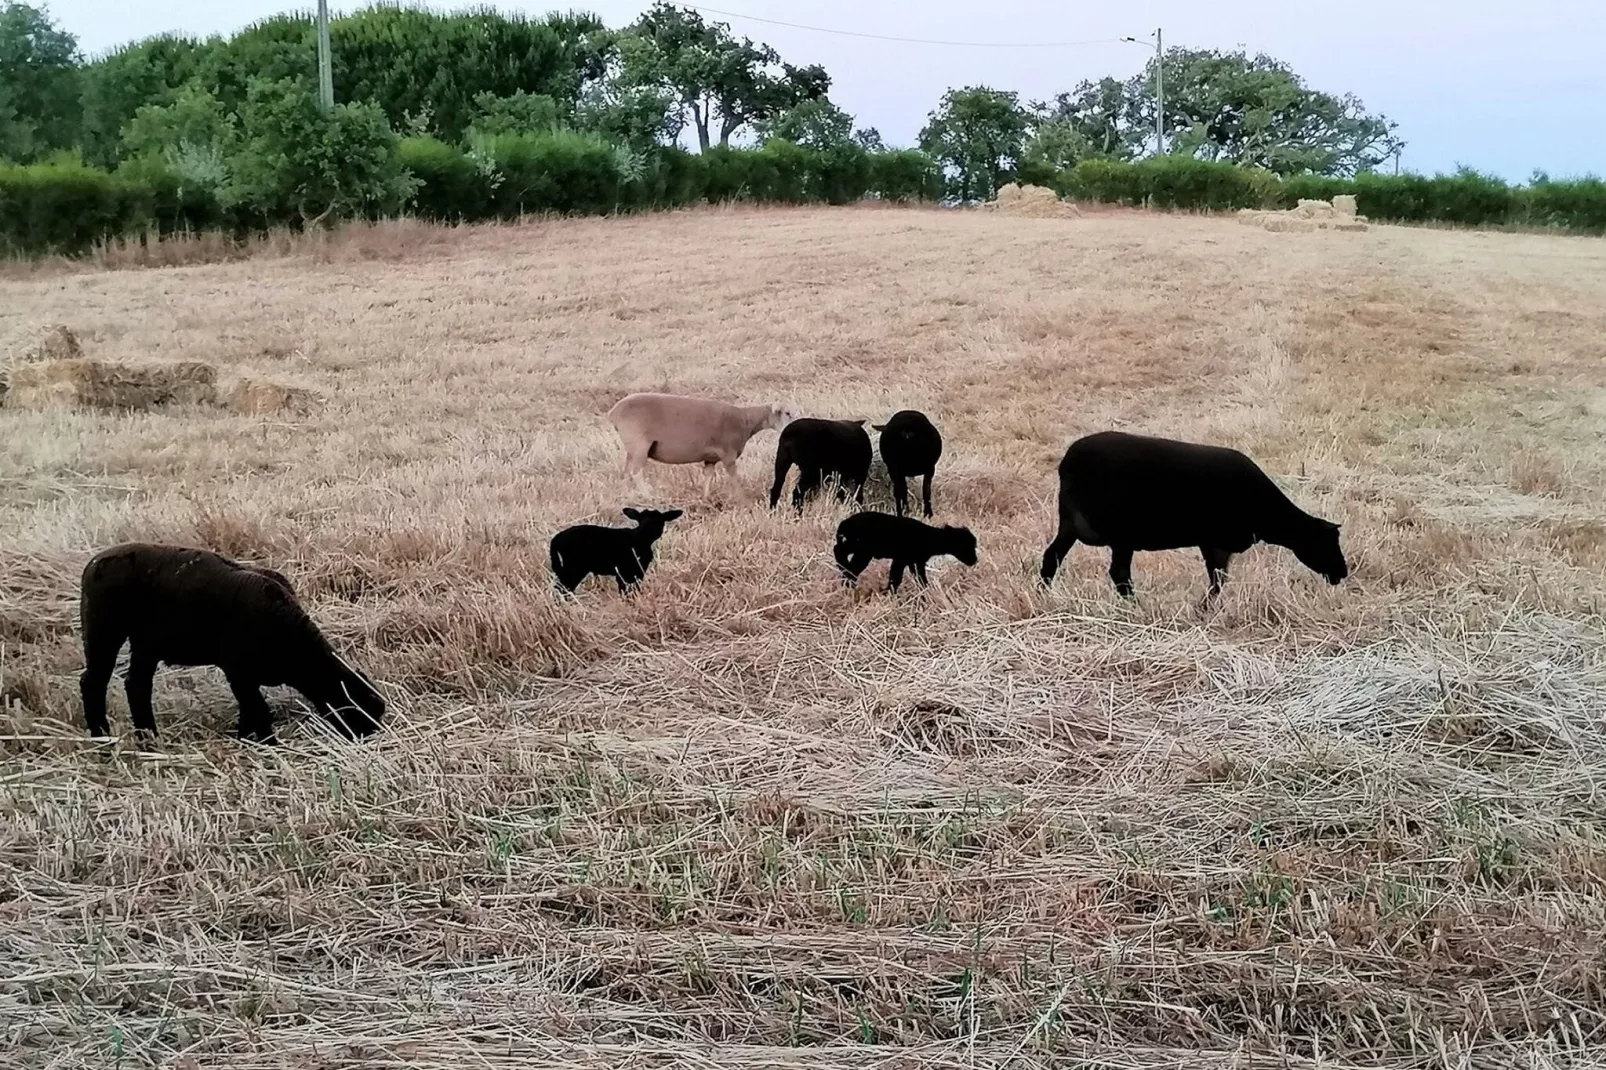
(781, 414)
(652, 521)
(1320, 552)
(351, 703)
(963, 544)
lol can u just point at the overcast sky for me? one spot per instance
(1499, 86)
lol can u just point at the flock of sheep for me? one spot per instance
(189, 607)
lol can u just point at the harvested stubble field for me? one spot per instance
(751, 819)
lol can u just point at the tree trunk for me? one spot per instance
(700, 120)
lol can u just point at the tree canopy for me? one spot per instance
(719, 83)
(979, 135)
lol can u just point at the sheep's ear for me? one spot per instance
(633, 514)
(672, 514)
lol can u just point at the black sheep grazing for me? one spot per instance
(623, 553)
(822, 449)
(907, 542)
(1132, 492)
(911, 446)
(187, 606)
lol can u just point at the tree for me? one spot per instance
(297, 158)
(1256, 111)
(636, 116)
(1100, 119)
(715, 80)
(979, 136)
(869, 139)
(39, 109)
(815, 124)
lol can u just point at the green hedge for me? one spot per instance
(1168, 182)
(65, 207)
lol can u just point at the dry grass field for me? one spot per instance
(752, 819)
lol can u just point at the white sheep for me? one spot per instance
(673, 429)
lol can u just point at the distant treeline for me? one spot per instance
(483, 115)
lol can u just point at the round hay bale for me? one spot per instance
(97, 384)
(258, 397)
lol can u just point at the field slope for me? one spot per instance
(752, 819)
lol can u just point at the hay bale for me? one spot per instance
(258, 397)
(33, 343)
(1312, 209)
(97, 384)
(1344, 205)
(1031, 202)
(1347, 224)
(1280, 222)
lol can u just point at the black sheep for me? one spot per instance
(822, 449)
(1132, 492)
(907, 542)
(186, 606)
(911, 446)
(623, 553)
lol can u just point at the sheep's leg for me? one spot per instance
(636, 454)
(141, 674)
(808, 484)
(782, 466)
(900, 494)
(925, 493)
(1216, 561)
(629, 576)
(1054, 556)
(1121, 570)
(100, 658)
(256, 719)
(895, 578)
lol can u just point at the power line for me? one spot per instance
(906, 40)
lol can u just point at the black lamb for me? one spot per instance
(623, 553)
(186, 606)
(822, 449)
(911, 446)
(1132, 492)
(907, 542)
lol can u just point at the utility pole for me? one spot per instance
(1159, 90)
(326, 76)
(1159, 94)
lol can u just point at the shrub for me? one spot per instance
(66, 207)
(179, 202)
(1579, 204)
(1465, 197)
(905, 175)
(841, 174)
(450, 187)
(563, 171)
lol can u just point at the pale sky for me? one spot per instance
(1499, 86)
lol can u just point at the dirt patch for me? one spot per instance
(1031, 202)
